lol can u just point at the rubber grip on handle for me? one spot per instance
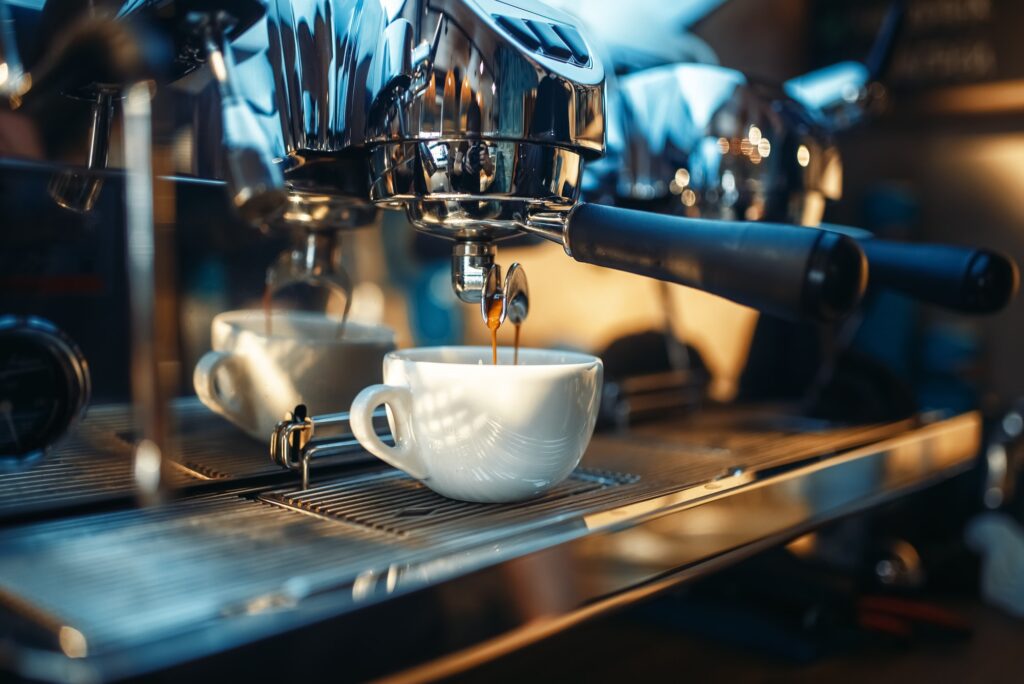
(965, 279)
(787, 271)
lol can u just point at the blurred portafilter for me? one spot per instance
(186, 40)
(317, 225)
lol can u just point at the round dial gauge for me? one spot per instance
(44, 386)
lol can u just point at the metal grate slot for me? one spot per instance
(392, 503)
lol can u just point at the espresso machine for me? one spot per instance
(142, 535)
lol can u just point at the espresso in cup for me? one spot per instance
(475, 431)
(255, 378)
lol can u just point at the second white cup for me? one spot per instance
(254, 376)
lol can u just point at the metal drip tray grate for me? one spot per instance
(393, 503)
(207, 446)
(94, 463)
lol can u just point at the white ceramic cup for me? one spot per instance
(474, 431)
(254, 379)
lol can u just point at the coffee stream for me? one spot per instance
(493, 323)
(515, 357)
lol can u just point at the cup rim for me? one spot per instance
(378, 334)
(579, 359)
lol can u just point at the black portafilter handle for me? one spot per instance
(788, 271)
(964, 279)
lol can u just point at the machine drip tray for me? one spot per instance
(393, 503)
(120, 593)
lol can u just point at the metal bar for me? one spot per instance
(141, 248)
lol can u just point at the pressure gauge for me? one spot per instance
(44, 387)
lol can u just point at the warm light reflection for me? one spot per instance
(803, 156)
(299, 216)
(723, 145)
(314, 199)
(72, 642)
(764, 147)
(689, 197)
(3, 73)
(682, 177)
(147, 464)
(754, 135)
(217, 66)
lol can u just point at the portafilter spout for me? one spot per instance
(471, 262)
(314, 259)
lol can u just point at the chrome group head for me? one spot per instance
(469, 115)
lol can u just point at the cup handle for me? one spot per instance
(204, 379)
(399, 400)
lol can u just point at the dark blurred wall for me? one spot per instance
(766, 38)
(952, 139)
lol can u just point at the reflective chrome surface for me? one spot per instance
(471, 262)
(445, 196)
(517, 294)
(645, 33)
(492, 123)
(337, 75)
(707, 141)
(77, 189)
(493, 297)
(254, 182)
(314, 259)
(124, 593)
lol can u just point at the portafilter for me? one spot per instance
(482, 117)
